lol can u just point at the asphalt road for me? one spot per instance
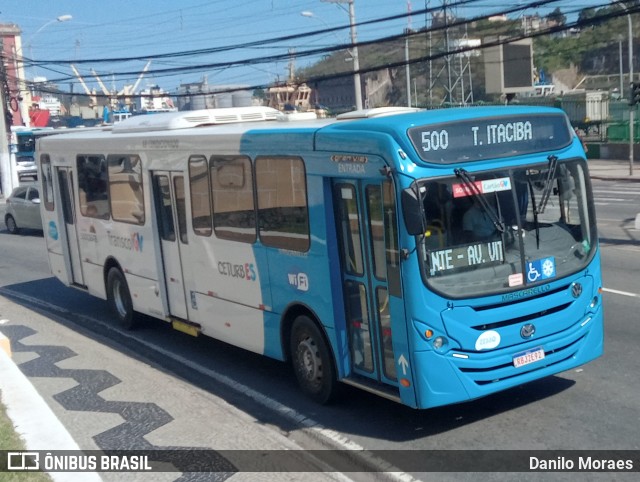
(594, 407)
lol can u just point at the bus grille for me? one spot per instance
(486, 374)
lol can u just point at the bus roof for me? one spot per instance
(233, 124)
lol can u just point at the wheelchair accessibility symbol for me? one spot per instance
(541, 269)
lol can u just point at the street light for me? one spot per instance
(61, 18)
(354, 49)
(24, 106)
(310, 14)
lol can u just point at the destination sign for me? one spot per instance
(474, 254)
(490, 138)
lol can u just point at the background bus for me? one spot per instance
(430, 257)
(24, 140)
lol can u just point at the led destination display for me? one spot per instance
(490, 138)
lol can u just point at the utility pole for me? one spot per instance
(6, 172)
(633, 108)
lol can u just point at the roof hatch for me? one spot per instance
(194, 118)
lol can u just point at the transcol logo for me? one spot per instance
(132, 243)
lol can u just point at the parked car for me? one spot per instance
(23, 209)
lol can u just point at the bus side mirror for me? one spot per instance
(412, 212)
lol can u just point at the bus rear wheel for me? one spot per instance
(120, 299)
(312, 363)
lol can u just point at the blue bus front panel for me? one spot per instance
(492, 346)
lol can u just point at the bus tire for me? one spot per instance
(312, 362)
(120, 299)
(12, 227)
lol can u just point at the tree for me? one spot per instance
(586, 14)
(557, 17)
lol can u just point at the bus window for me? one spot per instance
(163, 207)
(200, 196)
(349, 221)
(234, 215)
(360, 332)
(392, 251)
(283, 217)
(125, 188)
(47, 182)
(376, 233)
(178, 187)
(92, 187)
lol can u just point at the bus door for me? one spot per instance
(70, 241)
(366, 236)
(169, 199)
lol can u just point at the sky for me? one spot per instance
(116, 29)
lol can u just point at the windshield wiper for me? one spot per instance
(471, 187)
(551, 175)
(535, 212)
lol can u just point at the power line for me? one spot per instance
(254, 61)
(284, 56)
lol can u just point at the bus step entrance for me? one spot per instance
(386, 391)
(185, 326)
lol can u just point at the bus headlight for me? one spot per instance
(440, 343)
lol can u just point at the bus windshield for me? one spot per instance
(503, 230)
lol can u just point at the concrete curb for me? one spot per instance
(5, 345)
(34, 421)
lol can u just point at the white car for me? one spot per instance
(23, 209)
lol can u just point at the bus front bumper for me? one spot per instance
(444, 378)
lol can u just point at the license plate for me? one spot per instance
(526, 357)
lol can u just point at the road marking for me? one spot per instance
(623, 293)
(634, 192)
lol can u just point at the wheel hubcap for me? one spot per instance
(118, 299)
(310, 362)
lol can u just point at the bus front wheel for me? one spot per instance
(312, 362)
(120, 298)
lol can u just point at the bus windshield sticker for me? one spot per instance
(465, 256)
(541, 269)
(490, 138)
(516, 279)
(484, 187)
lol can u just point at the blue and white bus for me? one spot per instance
(23, 140)
(430, 257)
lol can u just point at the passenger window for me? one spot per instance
(92, 186)
(20, 194)
(200, 195)
(125, 188)
(234, 214)
(33, 194)
(47, 182)
(181, 211)
(162, 191)
(283, 217)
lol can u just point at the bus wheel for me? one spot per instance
(312, 362)
(11, 224)
(120, 298)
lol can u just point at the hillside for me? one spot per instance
(589, 51)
